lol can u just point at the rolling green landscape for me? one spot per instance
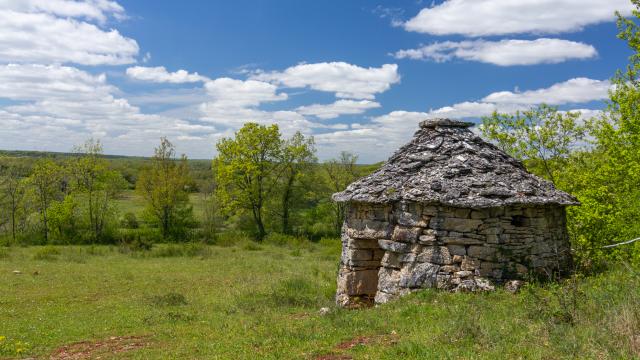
(237, 256)
(252, 301)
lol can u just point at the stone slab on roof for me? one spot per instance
(446, 163)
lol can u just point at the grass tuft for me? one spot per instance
(169, 299)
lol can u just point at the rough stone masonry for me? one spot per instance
(448, 211)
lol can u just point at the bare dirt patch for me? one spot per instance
(333, 357)
(385, 340)
(99, 349)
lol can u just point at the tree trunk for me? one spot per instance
(286, 197)
(257, 217)
(13, 219)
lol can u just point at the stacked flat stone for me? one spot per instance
(448, 211)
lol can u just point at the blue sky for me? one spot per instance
(357, 75)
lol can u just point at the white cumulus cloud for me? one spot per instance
(340, 107)
(242, 93)
(53, 107)
(98, 10)
(572, 91)
(159, 74)
(500, 17)
(343, 79)
(45, 38)
(504, 52)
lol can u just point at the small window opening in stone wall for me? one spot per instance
(518, 221)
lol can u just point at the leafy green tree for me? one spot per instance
(164, 187)
(247, 170)
(542, 135)
(607, 179)
(13, 189)
(93, 178)
(45, 183)
(340, 173)
(297, 160)
(63, 220)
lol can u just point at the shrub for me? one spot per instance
(130, 221)
(169, 299)
(175, 250)
(46, 253)
(231, 238)
(137, 240)
(284, 240)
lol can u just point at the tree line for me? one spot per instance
(259, 183)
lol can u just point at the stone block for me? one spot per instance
(457, 258)
(443, 281)
(460, 241)
(427, 239)
(436, 255)
(457, 250)
(462, 274)
(391, 260)
(367, 229)
(363, 243)
(462, 212)
(436, 233)
(477, 284)
(406, 234)
(479, 214)
(359, 254)
(470, 264)
(394, 246)
(482, 252)
(461, 225)
(429, 210)
(436, 223)
(363, 282)
(365, 264)
(419, 276)
(388, 280)
(383, 297)
(411, 219)
(450, 268)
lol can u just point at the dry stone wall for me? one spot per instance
(391, 250)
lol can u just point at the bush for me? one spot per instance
(283, 240)
(169, 299)
(231, 238)
(130, 221)
(46, 253)
(137, 240)
(176, 250)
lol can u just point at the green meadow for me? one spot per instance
(250, 301)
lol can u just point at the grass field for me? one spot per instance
(252, 301)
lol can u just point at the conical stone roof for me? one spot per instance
(447, 164)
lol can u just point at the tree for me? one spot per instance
(13, 189)
(164, 185)
(247, 170)
(298, 157)
(542, 135)
(46, 186)
(93, 178)
(607, 179)
(341, 172)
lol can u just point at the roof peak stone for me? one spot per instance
(444, 122)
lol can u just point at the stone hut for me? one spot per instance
(448, 211)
